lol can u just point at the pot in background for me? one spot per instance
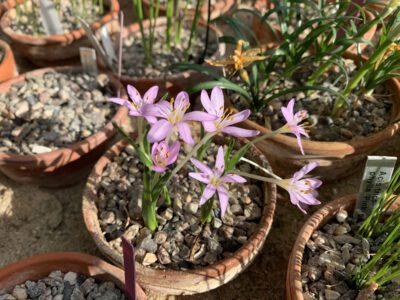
(8, 68)
(40, 266)
(64, 166)
(52, 50)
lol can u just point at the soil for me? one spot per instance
(29, 22)
(27, 210)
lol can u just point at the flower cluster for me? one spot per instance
(169, 117)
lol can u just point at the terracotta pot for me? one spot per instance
(64, 166)
(40, 266)
(8, 68)
(294, 288)
(174, 83)
(52, 50)
(266, 35)
(170, 281)
(337, 159)
(218, 8)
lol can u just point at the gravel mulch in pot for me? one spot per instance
(331, 257)
(30, 21)
(363, 117)
(59, 286)
(180, 242)
(43, 113)
(134, 59)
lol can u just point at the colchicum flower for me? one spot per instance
(239, 60)
(302, 191)
(294, 122)
(137, 103)
(173, 114)
(215, 180)
(224, 118)
(164, 155)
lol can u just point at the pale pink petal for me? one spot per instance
(185, 133)
(233, 178)
(159, 131)
(239, 132)
(290, 106)
(158, 169)
(303, 207)
(288, 117)
(151, 120)
(120, 101)
(134, 95)
(152, 110)
(154, 149)
(217, 100)
(307, 198)
(173, 152)
(206, 102)
(181, 101)
(198, 116)
(209, 126)
(299, 143)
(134, 113)
(150, 95)
(223, 199)
(165, 108)
(220, 161)
(237, 118)
(200, 177)
(209, 191)
(303, 171)
(201, 166)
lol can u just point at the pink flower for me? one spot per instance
(173, 114)
(137, 103)
(164, 155)
(214, 179)
(293, 122)
(302, 191)
(224, 118)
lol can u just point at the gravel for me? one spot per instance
(30, 23)
(134, 57)
(331, 257)
(60, 286)
(180, 242)
(43, 113)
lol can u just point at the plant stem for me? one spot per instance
(206, 211)
(137, 5)
(260, 167)
(256, 177)
(170, 12)
(203, 56)
(191, 153)
(149, 213)
(193, 29)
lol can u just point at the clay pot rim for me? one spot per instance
(57, 38)
(214, 271)
(96, 266)
(333, 146)
(322, 216)
(225, 4)
(161, 22)
(77, 149)
(7, 51)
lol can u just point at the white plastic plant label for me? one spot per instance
(50, 18)
(108, 46)
(88, 60)
(377, 173)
